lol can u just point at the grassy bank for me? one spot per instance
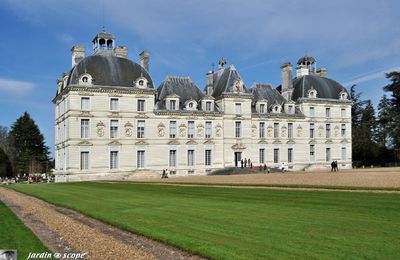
(15, 235)
(234, 223)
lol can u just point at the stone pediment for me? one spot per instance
(141, 142)
(114, 142)
(239, 146)
(312, 142)
(114, 94)
(344, 141)
(173, 142)
(191, 142)
(85, 143)
(85, 114)
(262, 141)
(291, 141)
(329, 141)
(209, 142)
(128, 124)
(141, 115)
(276, 142)
(114, 114)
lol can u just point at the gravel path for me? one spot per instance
(383, 178)
(65, 231)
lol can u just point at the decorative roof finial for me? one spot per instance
(222, 62)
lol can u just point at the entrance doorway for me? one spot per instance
(238, 158)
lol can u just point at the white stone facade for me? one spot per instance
(114, 132)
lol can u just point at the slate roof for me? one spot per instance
(109, 70)
(266, 91)
(184, 87)
(224, 80)
(326, 88)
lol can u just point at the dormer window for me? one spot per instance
(190, 105)
(208, 106)
(276, 109)
(262, 108)
(85, 79)
(290, 109)
(312, 93)
(343, 95)
(141, 82)
(172, 105)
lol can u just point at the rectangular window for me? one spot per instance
(262, 130)
(114, 106)
(312, 153)
(262, 155)
(113, 128)
(262, 108)
(140, 129)
(312, 112)
(238, 108)
(290, 155)
(190, 158)
(172, 158)
(172, 104)
(114, 160)
(343, 153)
(85, 103)
(238, 129)
(276, 155)
(191, 128)
(290, 130)
(208, 158)
(328, 112)
(141, 105)
(208, 129)
(276, 130)
(208, 106)
(343, 130)
(311, 130)
(328, 154)
(140, 160)
(328, 130)
(85, 128)
(343, 112)
(172, 129)
(84, 160)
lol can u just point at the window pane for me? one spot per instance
(290, 155)
(140, 129)
(276, 130)
(172, 129)
(114, 104)
(190, 158)
(140, 159)
(85, 103)
(238, 108)
(140, 105)
(208, 159)
(191, 131)
(172, 158)
(208, 129)
(262, 155)
(262, 130)
(290, 130)
(113, 128)
(276, 155)
(84, 160)
(114, 160)
(84, 128)
(328, 154)
(238, 130)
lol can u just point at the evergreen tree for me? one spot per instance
(5, 163)
(384, 121)
(31, 153)
(357, 107)
(394, 108)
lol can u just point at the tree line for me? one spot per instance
(376, 136)
(23, 149)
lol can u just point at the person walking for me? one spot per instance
(241, 163)
(265, 167)
(245, 162)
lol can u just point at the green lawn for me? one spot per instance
(15, 235)
(234, 223)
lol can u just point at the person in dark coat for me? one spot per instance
(241, 163)
(265, 167)
(249, 162)
(333, 166)
(245, 162)
(336, 166)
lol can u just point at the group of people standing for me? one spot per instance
(246, 163)
(334, 166)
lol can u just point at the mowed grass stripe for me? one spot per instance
(15, 235)
(234, 223)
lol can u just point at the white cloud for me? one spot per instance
(369, 76)
(15, 88)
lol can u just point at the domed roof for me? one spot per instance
(326, 88)
(306, 60)
(109, 70)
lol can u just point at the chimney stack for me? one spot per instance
(210, 83)
(323, 72)
(121, 51)
(144, 59)
(287, 80)
(78, 54)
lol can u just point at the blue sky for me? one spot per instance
(357, 41)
